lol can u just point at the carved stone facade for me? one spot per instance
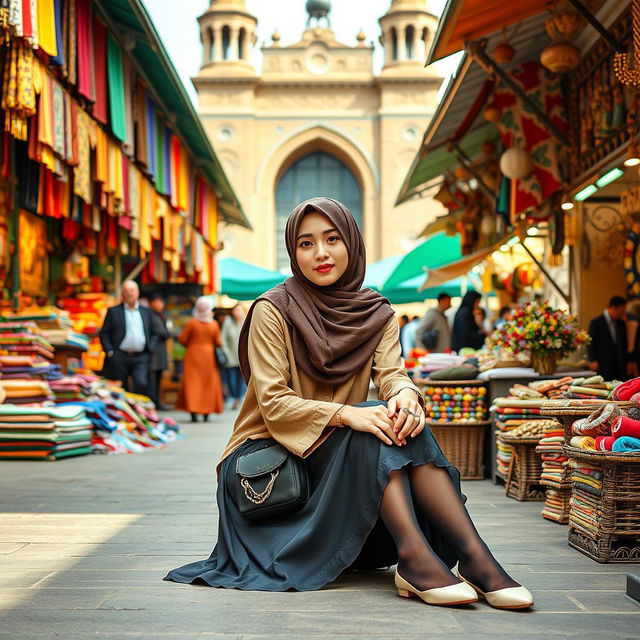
(318, 95)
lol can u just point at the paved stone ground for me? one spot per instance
(84, 544)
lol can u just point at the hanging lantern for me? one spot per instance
(560, 57)
(516, 163)
(492, 113)
(488, 225)
(503, 53)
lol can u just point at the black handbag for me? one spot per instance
(271, 482)
(221, 357)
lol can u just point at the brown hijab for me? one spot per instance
(334, 329)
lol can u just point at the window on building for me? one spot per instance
(410, 35)
(394, 44)
(317, 174)
(226, 42)
(424, 41)
(211, 46)
(241, 36)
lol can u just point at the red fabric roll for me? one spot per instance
(604, 443)
(626, 390)
(624, 426)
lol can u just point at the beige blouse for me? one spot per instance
(285, 403)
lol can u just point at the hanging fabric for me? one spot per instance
(18, 89)
(140, 118)
(47, 27)
(84, 31)
(159, 151)
(116, 89)
(32, 10)
(71, 41)
(82, 185)
(127, 81)
(58, 59)
(100, 108)
(15, 17)
(151, 136)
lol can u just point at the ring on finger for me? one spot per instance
(408, 412)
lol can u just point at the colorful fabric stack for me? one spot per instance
(54, 324)
(552, 389)
(26, 391)
(606, 429)
(70, 389)
(590, 389)
(23, 338)
(585, 498)
(555, 474)
(43, 433)
(32, 367)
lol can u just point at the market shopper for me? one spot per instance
(159, 356)
(608, 354)
(201, 390)
(433, 332)
(230, 338)
(128, 338)
(466, 332)
(308, 350)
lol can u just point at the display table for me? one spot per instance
(499, 381)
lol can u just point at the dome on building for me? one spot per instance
(318, 8)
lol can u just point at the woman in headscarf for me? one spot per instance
(381, 490)
(465, 331)
(201, 389)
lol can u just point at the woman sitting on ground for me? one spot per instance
(381, 490)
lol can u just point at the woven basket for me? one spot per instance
(617, 534)
(523, 477)
(463, 445)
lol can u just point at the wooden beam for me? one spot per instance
(598, 26)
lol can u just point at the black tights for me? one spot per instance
(431, 488)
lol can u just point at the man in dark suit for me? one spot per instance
(128, 338)
(608, 349)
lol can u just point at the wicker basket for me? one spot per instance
(617, 533)
(463, 445)
(523, 477)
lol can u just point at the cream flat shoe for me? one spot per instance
(453, 594)
(508, 598)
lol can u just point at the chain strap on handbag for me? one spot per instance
(253, 495)
(271, 482)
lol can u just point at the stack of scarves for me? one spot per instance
(590, 389)
(585, 497)
(555, 475)
(31, 367)
(70, 388)
(43, 433)
(607, 429)
(55, 325)
(23, 338)
(552, 389)
(26, 391)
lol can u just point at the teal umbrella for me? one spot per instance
(378, 274)
(244, 281)
(434, 252)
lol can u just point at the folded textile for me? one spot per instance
(605, 443)
(583, 442)
(627, 390)
(599, 423)
(624, 426)
(626, 443)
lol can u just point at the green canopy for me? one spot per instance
(435, 251)
(405, 292)
(243, 281)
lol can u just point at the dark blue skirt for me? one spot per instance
(338, 528)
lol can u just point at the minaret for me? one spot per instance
(227, 33)
(407, 32)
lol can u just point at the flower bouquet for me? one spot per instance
(546, 334)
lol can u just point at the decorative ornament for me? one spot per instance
(488, 225)
(516, 163)
(624, 73)
(492, 113)
(562, 26)
(503, 53)
(632, 261)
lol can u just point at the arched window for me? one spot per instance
(211, 52)
(394, 44)
(316, 174)
(226, 42)
(410, 35)
(425, 40)
(241, 37)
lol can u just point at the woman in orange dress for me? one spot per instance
(201, 389)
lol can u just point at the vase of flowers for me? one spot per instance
(545, 333)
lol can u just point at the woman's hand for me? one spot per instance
(409, 415)
(375, 420)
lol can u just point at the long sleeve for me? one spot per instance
(105, 333)
(228, 340)
(294, 422)
(217, 341)
(388, 372)
(427, 323)
(185, 334)
(591, 347)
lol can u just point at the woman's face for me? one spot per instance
(320, 250)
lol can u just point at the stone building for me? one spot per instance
(317, 121)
